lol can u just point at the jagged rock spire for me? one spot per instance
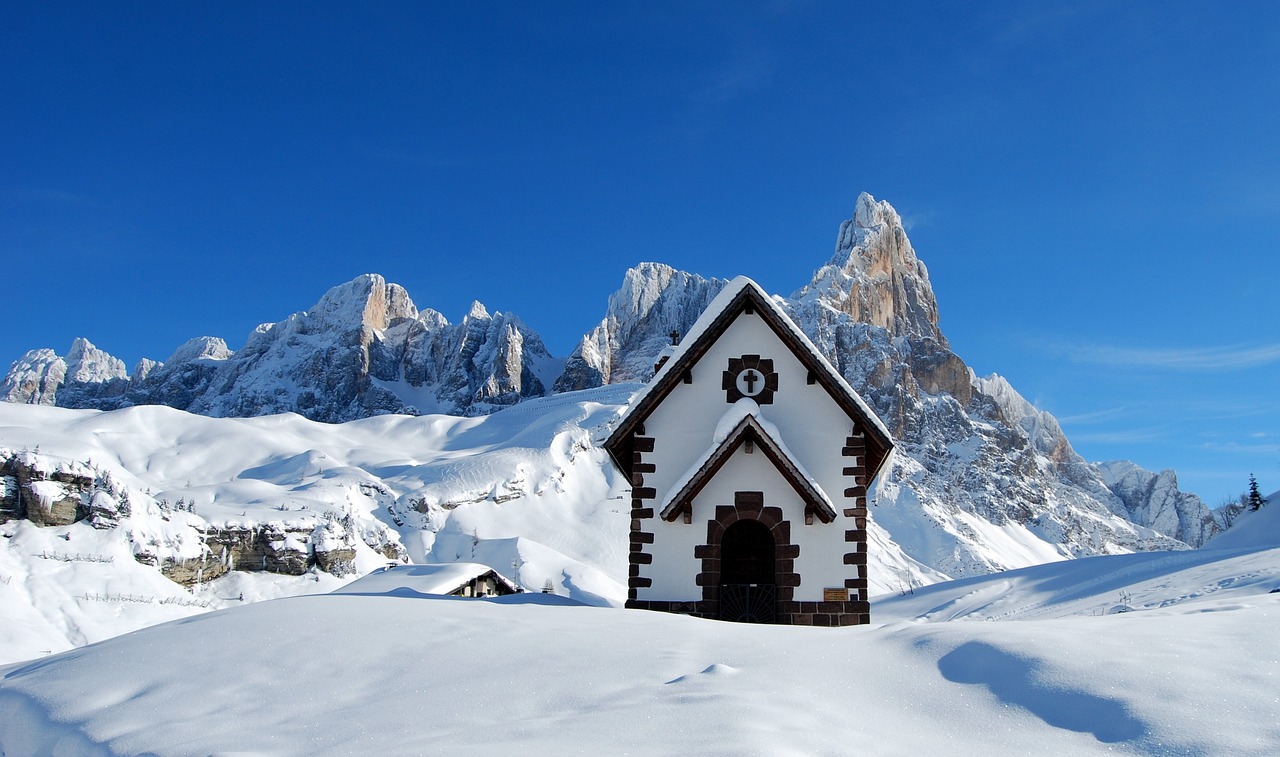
(362, 349)
(875, 276)
(653, 301)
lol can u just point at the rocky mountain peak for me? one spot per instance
(34, 378)
(365, 301)
(88, 363)
(875, 277)
(868, 213)
(201, 347)
(83, 378)
(143, 369)
(1154, 499)
(654, 300)
(642, 287)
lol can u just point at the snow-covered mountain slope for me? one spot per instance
(1252, 528)
(526, 491)
(983, 480)
(1167, 653)
(129, 496)
(364, 349)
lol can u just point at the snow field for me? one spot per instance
(1153, 653)
(538, 674)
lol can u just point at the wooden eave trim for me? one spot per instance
(618, 443)
(674, 375)
(749, 429)
(878, 443)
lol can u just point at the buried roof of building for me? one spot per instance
(440, 579)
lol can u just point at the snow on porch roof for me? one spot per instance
(743, 423)
(441, 579)
(733, 299)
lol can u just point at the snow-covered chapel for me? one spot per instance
(750, 458)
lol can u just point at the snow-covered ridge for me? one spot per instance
(364, 349)
(654, 301)
(256, 507)
(982, 480)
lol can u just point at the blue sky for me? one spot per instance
(1095, 187)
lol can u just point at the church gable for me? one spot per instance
(743, 297)
(751, 436)
(749, 459)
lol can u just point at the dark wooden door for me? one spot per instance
(747, 590)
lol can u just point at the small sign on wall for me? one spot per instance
(835, 595)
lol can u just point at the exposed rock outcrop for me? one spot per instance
(1153, 499)
(975, 461)
(975, 458)
(290, 550)
(44, 497)
(86, 377)
(364, 349)
(654, 301)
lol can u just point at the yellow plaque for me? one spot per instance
(835, 595)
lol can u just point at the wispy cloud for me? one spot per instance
(1192, 409)
(1265, 451)
(1225, 409)
(1031, 24)
(918, 218)
(1223, 358)
(1123, 436)
(1096, 416)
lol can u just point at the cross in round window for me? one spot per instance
(750, 376)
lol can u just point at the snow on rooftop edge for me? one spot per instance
(718, 305)
(736, 413)
(425, 578)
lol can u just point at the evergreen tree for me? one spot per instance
(1255, 499)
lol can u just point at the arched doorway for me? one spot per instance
(748, 590)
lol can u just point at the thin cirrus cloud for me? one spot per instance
(1094, 417)
(1262, 449)
(1224, 358)
(1198, 409)
(1124, 436)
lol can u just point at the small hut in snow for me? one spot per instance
(459, 579)
(750, 459)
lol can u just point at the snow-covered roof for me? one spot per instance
(734, 299)
(442, 579)
(742, 422)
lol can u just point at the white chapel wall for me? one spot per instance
(812, 426)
